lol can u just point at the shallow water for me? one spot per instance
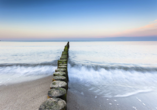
(108, 69)
(114, 69)
(113, 75)
(25, 61)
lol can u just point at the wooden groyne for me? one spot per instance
(59, 85)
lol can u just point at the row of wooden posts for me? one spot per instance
(59, 85)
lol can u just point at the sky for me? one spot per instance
(77, 19)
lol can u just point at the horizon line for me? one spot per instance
(150, 38)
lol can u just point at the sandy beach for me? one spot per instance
(29, 96)
(25, 95)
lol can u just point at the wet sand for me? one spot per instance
(89, 102)
(29, 96)
(83, 99)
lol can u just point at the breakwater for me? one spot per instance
(56, 96)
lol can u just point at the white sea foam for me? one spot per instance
(134, 108)
(23, 61)
(113, 83)
(108, 68)
(144, 104)
(114, 68)
(133, 93)
(15, 74)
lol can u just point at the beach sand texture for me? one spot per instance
(25, 95)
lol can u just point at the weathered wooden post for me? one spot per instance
(53, 104)
(59, 86)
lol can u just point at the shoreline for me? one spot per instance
(29, 96)
(80, 98)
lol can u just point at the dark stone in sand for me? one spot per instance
(65, 53)
(62, 62)
(56, 84)
(53, 104)
(59, 74)
(64, 59)
(64, 56)
(59, 78)
(65, 49)
(62, 66)
(61, 70)
(56, 92)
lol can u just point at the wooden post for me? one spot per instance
(57, 93)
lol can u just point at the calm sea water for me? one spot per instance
(24, 61)
(109, 69)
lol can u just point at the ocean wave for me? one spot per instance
(107, 81)
(28, 69)
(52, 63)
(20, 73)
(133, 93)
(111, 82)
(123, 67)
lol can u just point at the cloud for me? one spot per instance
(11, 31)
(147, 30)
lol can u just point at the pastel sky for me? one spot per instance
(52, 19)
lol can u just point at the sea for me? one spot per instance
(111, 70)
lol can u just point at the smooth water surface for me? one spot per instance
(110, 69)
(24, 61)
(114, 69)
(107, 70)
